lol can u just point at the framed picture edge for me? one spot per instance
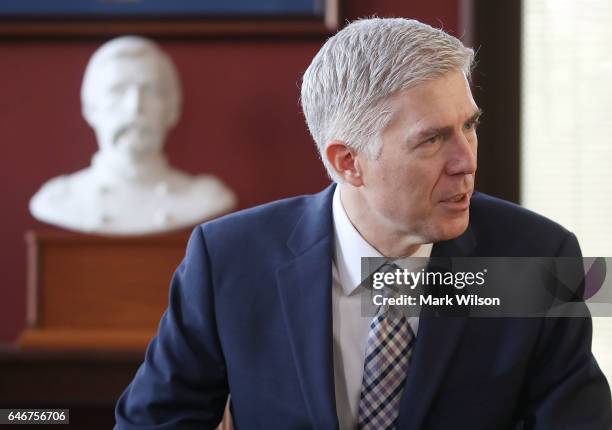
(205, 26)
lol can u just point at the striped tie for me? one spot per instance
(390, 342)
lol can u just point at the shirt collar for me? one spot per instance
(350, 246)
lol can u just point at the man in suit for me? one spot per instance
(265, 306)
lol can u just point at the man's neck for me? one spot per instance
(385, 239)
(110, 167)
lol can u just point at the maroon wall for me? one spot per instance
(241, 121)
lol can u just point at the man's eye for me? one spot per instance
(431, 140)
(152, 90)
(470, 125)
(118, 89)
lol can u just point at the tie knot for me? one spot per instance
(396, 292)
(391, 288)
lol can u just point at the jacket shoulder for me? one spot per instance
(267, 222)
(522, 232)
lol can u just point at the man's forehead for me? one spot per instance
(149, 61)
(433, 103)
(142, 67)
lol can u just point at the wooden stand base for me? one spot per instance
(93, 293)
(85, 340)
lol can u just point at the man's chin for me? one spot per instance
(135, 150)
(452, 228)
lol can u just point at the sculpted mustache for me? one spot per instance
(121, 130)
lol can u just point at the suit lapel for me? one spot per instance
(437, 339)
(304, 286)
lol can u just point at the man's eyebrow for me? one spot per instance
(432, 131)
(435, 131)
(476, 116)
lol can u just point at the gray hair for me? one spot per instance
(346, 88)
(132, 48)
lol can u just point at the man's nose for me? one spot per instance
(133, 101)
(462, 157)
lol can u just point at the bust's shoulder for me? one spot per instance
(187, 182)
(63, 186)
(58, 200)
(210, 184)
(58, 185)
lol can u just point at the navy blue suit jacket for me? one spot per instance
(250, 314)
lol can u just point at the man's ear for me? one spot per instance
(88, 112)
(343, 160)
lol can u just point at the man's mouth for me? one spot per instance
(457, 201)
(130, 128)
(456, 197)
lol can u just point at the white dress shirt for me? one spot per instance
(350, 328)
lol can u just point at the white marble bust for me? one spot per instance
(131, 97)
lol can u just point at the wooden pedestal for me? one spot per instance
(97, 293)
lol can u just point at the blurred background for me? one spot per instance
(542, 79)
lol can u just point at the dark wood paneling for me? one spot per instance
(497, 37)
